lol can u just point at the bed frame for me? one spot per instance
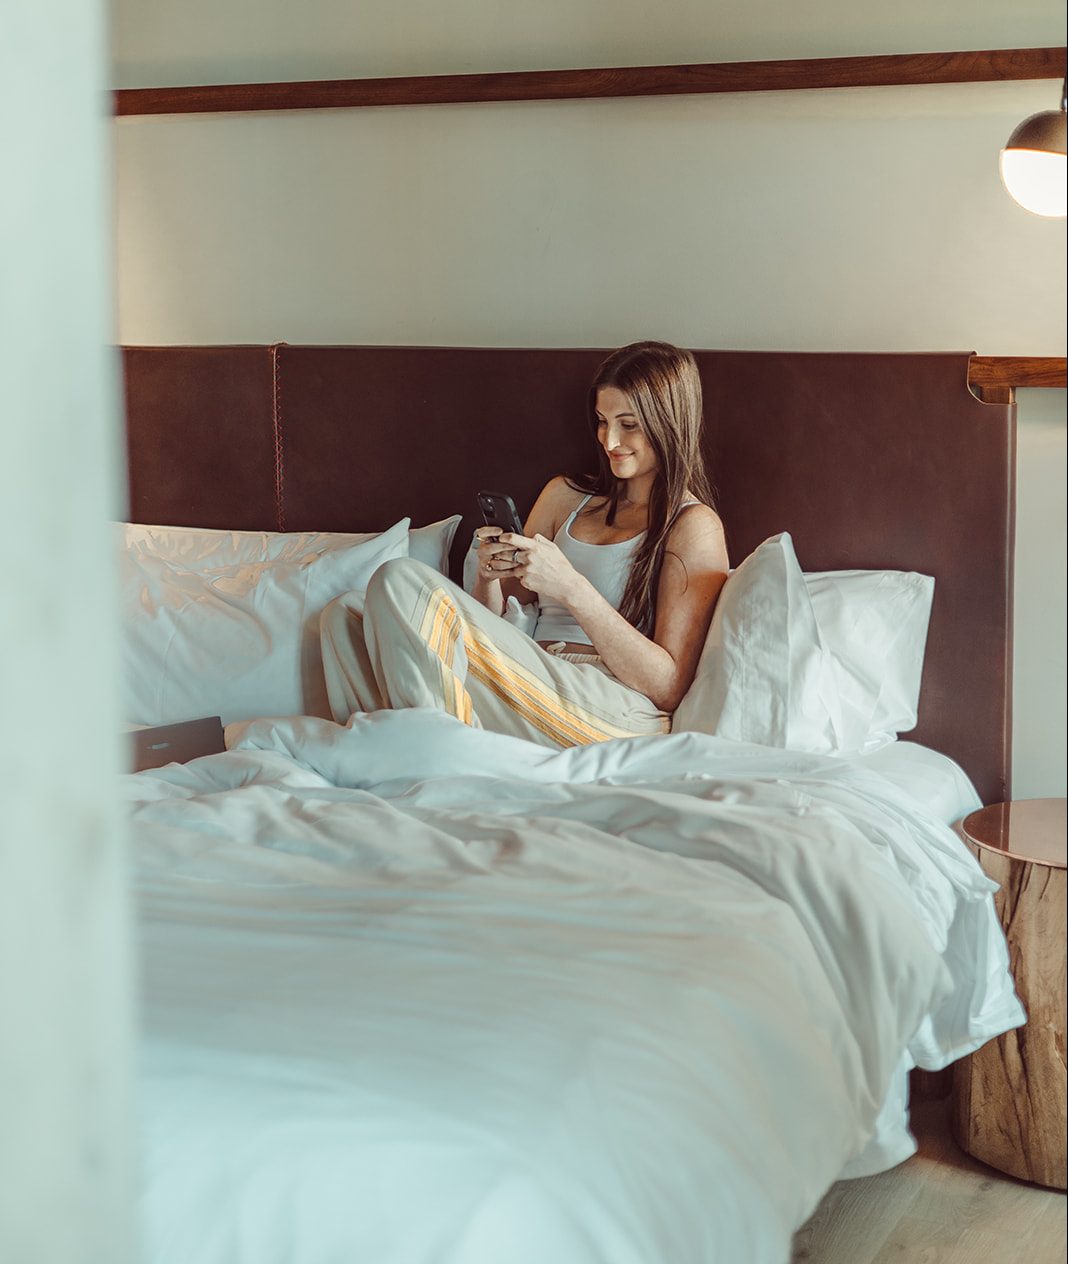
(868, 460)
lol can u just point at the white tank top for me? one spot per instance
(606, 566)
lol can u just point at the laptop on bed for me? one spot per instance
(176, 743)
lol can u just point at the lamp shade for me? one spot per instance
(1034, 163)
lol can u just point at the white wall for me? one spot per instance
(65, 970)
(1041, 682)
(229, 41)
(855, 219)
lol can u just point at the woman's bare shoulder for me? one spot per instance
(559, 496)
(699, 529)
(697, 518)
(560, 491)
(555, 501)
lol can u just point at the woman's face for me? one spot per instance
(620, 433)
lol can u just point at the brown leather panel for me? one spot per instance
(886, 461)
(374, 433)
(868, 461)
(200, 436)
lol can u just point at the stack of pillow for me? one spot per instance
(227, 623)
(827, 662)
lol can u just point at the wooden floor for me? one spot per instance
(941, 1207)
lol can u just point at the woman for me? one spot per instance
(626, 566)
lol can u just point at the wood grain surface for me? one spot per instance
(1009, 1096)
(939, 1207)
(976, 66)
(992, 371)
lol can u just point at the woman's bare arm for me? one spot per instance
(661, 667)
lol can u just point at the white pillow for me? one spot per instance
(432, 544)
(763, 675)
(874, 627)
(227, 623)
(199, 547)
(828, 662)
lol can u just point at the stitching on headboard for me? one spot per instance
(276, 421)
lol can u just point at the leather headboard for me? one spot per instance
(869, 461)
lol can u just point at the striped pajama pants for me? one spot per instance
(421, 641)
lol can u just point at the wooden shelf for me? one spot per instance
(632, 81)
(995, 378)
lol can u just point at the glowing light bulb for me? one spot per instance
(1033, 162)
(1037, 180)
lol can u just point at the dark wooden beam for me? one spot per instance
(988, 373)
(631, 81)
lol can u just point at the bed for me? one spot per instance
(414, 992)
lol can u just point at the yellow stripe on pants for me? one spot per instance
(539, 704)
(440, 629)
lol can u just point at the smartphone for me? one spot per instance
(498, 510)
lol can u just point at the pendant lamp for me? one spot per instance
(1033, 162)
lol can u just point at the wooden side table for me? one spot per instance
(1009, 1096)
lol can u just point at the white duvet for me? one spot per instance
(418, 994)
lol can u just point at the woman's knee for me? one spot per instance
(402, 572)
(391, 580)
(395, 578)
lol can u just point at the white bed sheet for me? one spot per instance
(417, 994)
(936, 782)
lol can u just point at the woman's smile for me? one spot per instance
(622, 436)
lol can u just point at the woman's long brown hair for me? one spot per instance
(664, 387)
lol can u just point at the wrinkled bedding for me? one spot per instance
(418, 994)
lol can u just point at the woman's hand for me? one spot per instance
(540, 566)
(495, 559)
